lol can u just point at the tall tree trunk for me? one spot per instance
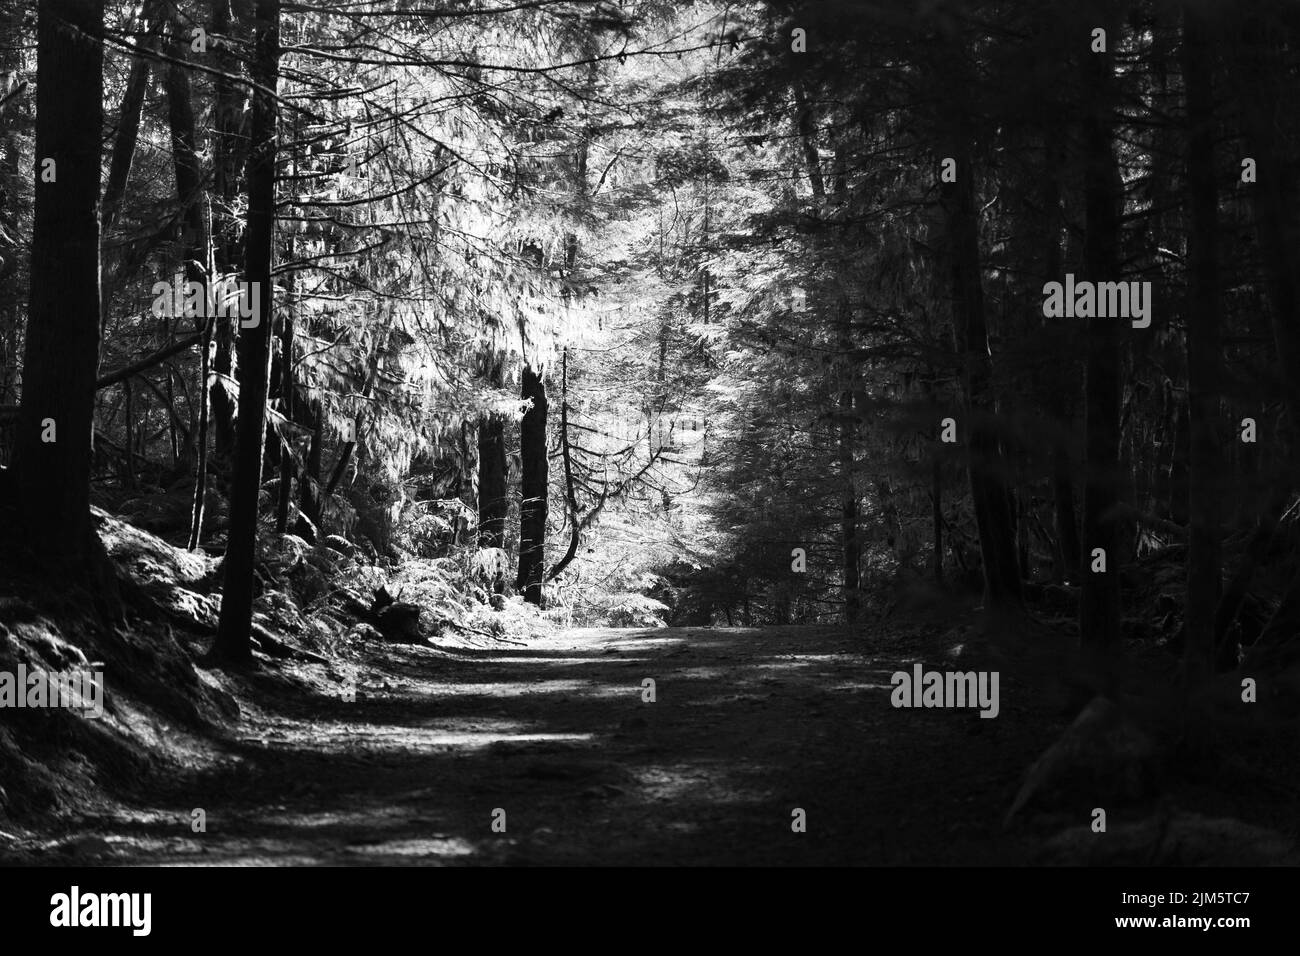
(128, 117)
(1260, 91)
(228, 164)
(340, 466)
(570, 493)
(1259, 72)
(936, 507)
(1066, 521)
(287, 459)
(988, 487)
(493, 503)
(56, 419)
(1179, 463)
(1203, 344)
(254, 346)
(850, 550)
(189, 193)
(1099, 605)
(532, 509)
(201, 439)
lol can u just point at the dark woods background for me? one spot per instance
(812, 300)
(600, 311)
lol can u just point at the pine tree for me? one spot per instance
(233, 631)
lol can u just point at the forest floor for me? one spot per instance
(748, 724)
(338, 747)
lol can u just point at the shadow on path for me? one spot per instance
(747, 726)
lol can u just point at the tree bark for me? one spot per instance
(228, 166)
(493, 500)
(570, 494)
(189, 193)
(287, 458)
(532, 509)
(344, 457)
(254, 347)
(128, 118)
(988, 488)
(1066, 520)
(936, 506)
(52, 477)
(201, 440)
(850, 549)
(1259, 70)
(1258, 75)
(1099, 604)
(1203, 347)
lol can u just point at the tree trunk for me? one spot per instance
(1259, 80)
(1203, 346)
(287, 459)
(493, 501)
(345, 456)
(228, 165)
(849, 546)
(128, 118)
(189, 193)
(1066, 521)
(201, 440)
(850, 549)
(1259, 77)
(936, 505)
(1179, 464)
(254, 347)
(532, 509)
(1099, 604)
(1067, 528)
(988, 488)
(56, 419)
(570, 494)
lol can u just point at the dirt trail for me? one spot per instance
(748, 725)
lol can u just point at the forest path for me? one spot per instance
(748, 724)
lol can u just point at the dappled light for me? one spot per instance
(497, 433)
